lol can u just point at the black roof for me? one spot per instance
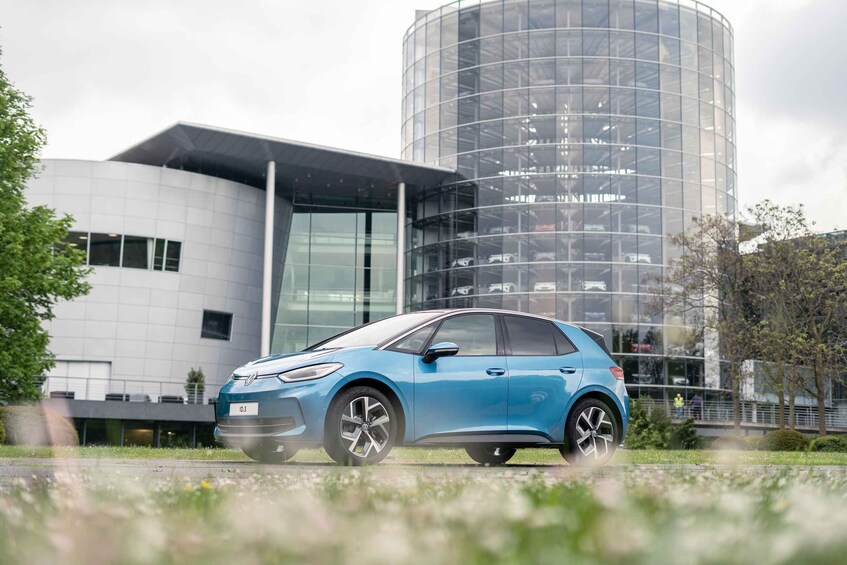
(304, 170)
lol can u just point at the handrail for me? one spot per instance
(128, 390)
(753, 413)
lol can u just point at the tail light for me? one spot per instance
(617, 372)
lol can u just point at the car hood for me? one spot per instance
(275, 364)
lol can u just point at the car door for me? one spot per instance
(545, 370)
(465, 393)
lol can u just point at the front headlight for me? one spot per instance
(309, 373)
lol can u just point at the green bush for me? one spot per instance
(784, 440)
(2, 429)
(684, 436)
(647, 430)
(829, 444)
(32, 425)
(731, 443)
(753, 441)
(655, 430)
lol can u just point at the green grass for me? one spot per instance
(643, 516)
(442, 456)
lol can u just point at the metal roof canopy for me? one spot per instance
(305, 173)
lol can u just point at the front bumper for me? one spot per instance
(287, 412)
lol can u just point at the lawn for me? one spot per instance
(333, 515)
(443, 456)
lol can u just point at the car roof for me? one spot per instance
(445, 312)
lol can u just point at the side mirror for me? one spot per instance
(443, 349)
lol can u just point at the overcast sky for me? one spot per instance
(107, 73)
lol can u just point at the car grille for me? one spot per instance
(255, 426)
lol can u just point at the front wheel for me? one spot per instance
(488, 455)
(591, 433)
(361, 427)
(270, 453)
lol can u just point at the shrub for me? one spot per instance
(684, 436)
(753, 441)
(784, 440)
(32, 425)
(829, 444)
(647, 430)
(731, 443)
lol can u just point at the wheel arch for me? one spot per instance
(382, 386)
(603, 395)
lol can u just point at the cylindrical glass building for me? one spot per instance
(584, 133)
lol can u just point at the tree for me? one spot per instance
(775, 269)
(799, 292)
(819, 306)
(36, 269)
(709, 287)
(195, 385)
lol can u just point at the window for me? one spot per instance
(375, 332)
(415, 342)
(563, 344)
(131, 251)
(474, 334)
(172, 251)
(530, 337)
(138, 252)
(105, 249)
(166, 256)
(216, 325)
(78, 240)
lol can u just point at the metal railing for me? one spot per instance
(128, 390)
(754, 414)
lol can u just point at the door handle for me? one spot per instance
(496, 372)
(568, 370)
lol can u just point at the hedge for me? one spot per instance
(830, 444)
(784, 440)
(735, 443)
(32, 425)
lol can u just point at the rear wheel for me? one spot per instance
(490, 455)
(270, 453)
(592, 434)
(361, 427)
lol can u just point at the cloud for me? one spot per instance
(107, 74)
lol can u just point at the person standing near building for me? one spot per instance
(696, 407)
(678, 403)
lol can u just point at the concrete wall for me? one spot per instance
(147, 323)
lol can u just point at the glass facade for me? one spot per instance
(586, 132)
(340, 272)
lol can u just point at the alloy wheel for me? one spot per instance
(365, 426)
(595, 433)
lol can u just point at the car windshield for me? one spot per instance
(375, 332)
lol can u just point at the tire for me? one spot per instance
(361, 427)
(270, 453)
(591, 434)
(490, 455)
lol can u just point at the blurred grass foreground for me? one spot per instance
(635, 514)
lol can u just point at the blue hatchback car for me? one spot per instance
(490, 381)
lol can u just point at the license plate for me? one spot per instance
(244, 409)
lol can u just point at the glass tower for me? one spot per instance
(584, 132)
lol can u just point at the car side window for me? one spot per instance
(530, 337)
(563, 344)
(414, 343)
(475, 334)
